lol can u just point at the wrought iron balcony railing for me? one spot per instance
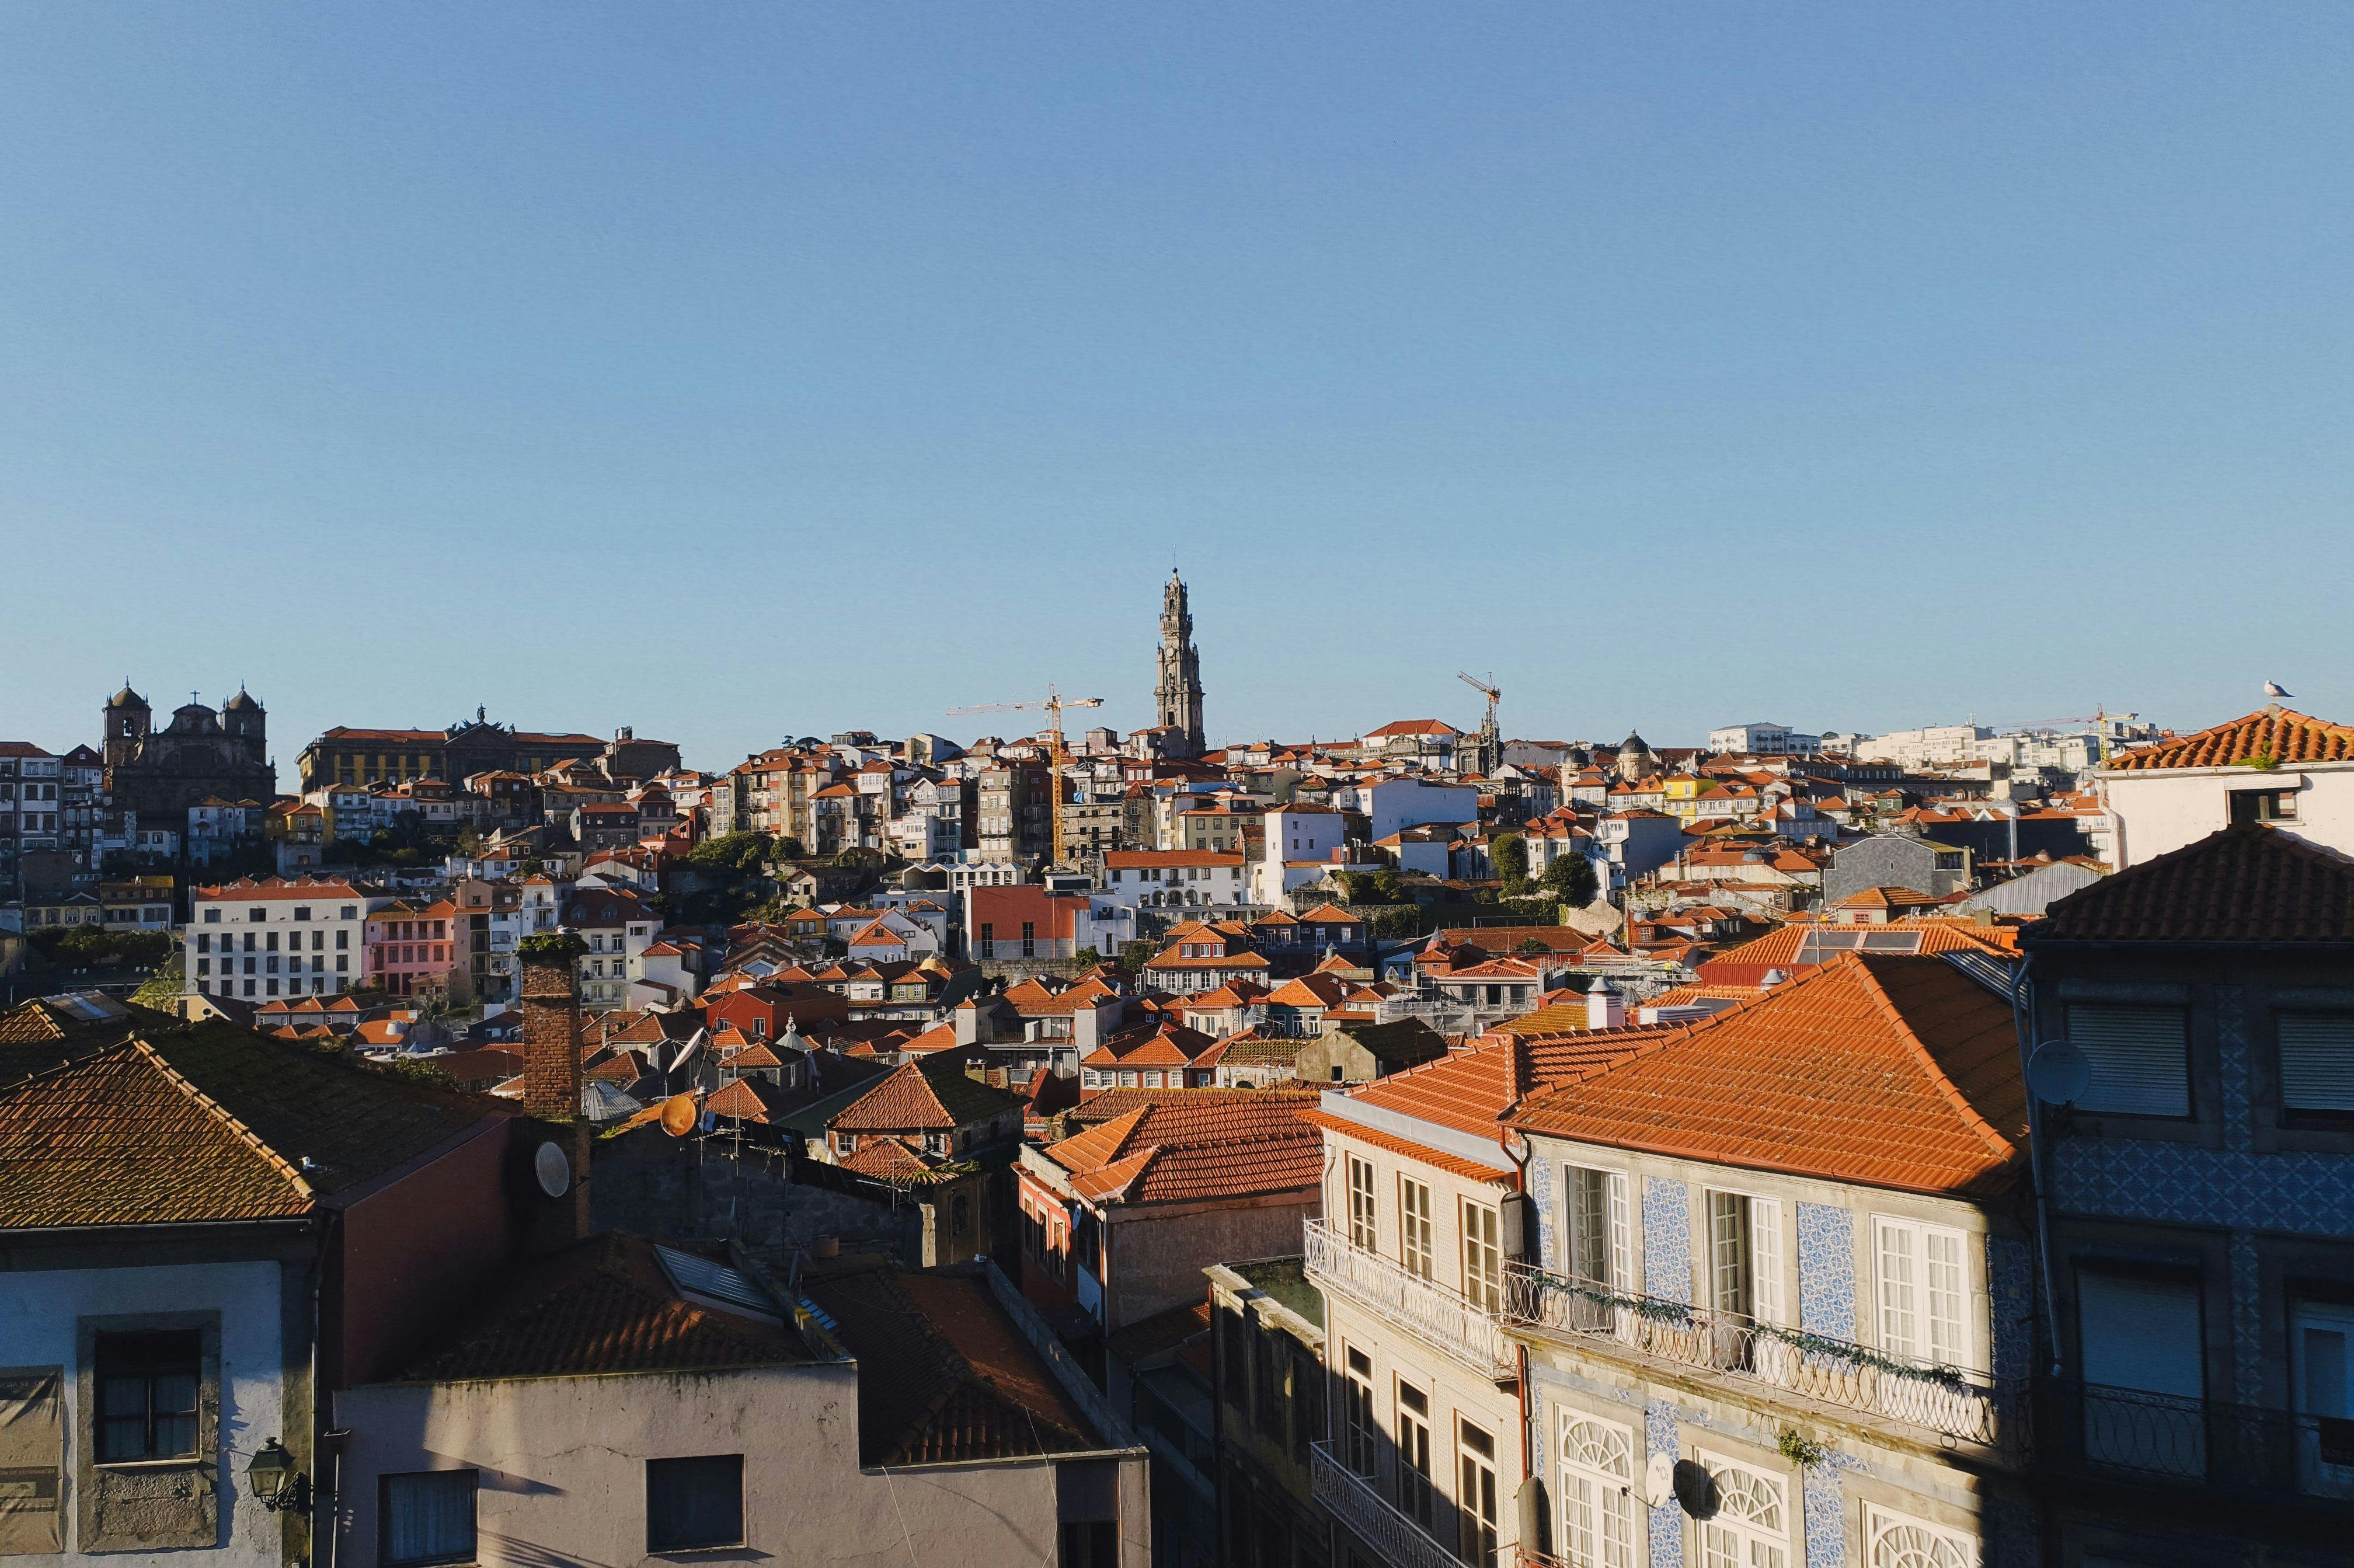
(1948, 1401)
(2200, 1445)
(1439, 1316)
(1373, 1519)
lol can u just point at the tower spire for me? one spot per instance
(1177, 697)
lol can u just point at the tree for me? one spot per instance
(1510, 856)
(1570, 879)
(162, 987)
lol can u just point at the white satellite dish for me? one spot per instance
(1659, 1481)
(2057, 1073)
(553, 1171)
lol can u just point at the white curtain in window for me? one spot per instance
(429, 1518)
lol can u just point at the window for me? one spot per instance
(1360, 1204)
(255, 915)
(2317, 1059)
(1600, 1244)
(1898, 1540)
(212, 916)
(988, 940)
(2143, 1333)
(204, 942)
(1598, 1496)
(2140, 1058)
(1483, 1257)
(301, 911)
(147, 1395)
(695, 1503)
(1751, 1526)
(1744, 1256)
(2264, 805)
(2322, 1378)
(426, 1517)
(1360, 1433)
(1923, 1292)
(1475, 1503)
(1417, 1493)
(1413, 1226)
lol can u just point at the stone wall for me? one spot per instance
(702, 1188)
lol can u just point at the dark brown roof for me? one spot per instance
(2248, 882)
(944, 1374)
(184, 1119)
(602, 1306)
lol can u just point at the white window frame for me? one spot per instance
(1761, 1259)
(1907, 1313)
(1729, 1539)
(1481, 1254)
(1417, 1227)
(1603, 1523)
(1616, 1246)
(1364, 1217)
(1883, 1548)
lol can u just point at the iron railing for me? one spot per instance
(1438, 1316)
(2204, 1445)
(1949, 1401)
(1360, 1508)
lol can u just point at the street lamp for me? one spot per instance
(277, 1483)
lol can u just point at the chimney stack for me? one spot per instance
(1605, 1008)
(551, 1026)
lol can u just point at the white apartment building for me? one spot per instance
(255, 940)
(1300, 841)
(1763, 740)
(1174, 879)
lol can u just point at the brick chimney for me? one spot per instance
(551, 1035)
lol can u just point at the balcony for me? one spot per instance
(1363, 1511)
(1948, 1402)
(1431, 1313)
(2198, 1444)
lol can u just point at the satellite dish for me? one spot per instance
(2057, 1073)
(1695, 1488)
(553, 1171)
(1658, 1479)
(678, 1115)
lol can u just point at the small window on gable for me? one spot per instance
(2264, 805)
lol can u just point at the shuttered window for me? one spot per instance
(2140, 1058)
(2141, 1333)
(2317, 1061)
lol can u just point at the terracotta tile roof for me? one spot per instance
(1454, 1164)
(1241, 1144)
(1893, 1072)
(943, 1373)
(739, 1101)
(2249, 882)
(1470, 1091)
(1113, 1104)
(1163, 1044)
(886, 1159)
(934, 1095)
(121, 1140)
(2275, 732)
(603, 1306)
(1308, 990)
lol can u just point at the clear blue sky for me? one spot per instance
(746, 371)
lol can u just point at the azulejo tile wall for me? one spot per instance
(2011, 1299)
(1667, 1240)
(1660, 1437)
(1827, 1270)
(1541, 1193)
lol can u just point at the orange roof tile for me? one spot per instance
(1893, 1072)
(1455, 1164)
(1175, 1150)
(2273, 732)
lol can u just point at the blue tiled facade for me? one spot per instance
(2011, 1301)
(1541, 1193)
(1660, 1437)
(1667, 1240)
(1827, 1270)
(1826, 1506)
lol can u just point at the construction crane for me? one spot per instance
(1489, 734)
(1060, 754)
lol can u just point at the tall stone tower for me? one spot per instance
(1178, 697)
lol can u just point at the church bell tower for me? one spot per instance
(1178, 698)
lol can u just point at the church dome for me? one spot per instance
(241, 703)
(126, 698)
(1633, 741)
